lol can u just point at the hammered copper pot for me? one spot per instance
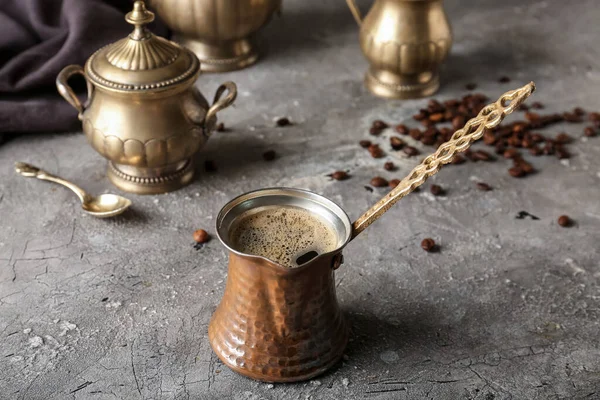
(218, 32)
(274, 323)
(405, 42)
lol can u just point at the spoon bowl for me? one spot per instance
(106, 205)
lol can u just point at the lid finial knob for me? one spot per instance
(139, 17)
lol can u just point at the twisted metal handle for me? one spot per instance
(489, 117)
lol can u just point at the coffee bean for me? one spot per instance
(379, 124)
(269, 155)
(561, 153)
(523, 107)
(489, 138)
(537, 138)
(504, 79)
(282, 122)
(536, 151)
(527, 143)
(471, 86)
(220, 127)
(389, 166)
(563, 138)
(420, 116)
(437, 117)
(402, 129)
(458, 159)
(376, 151)
(548, 148)
(484, 186)
(429, 140)
(458, 122)
(210, 166)
(537, 105)
(379, 182)
(579, 111)
(428, 245)
(397, 143)
(531, 116)
(470, 155)
(411, 151)
(201, 236)
(589, 131)
(564, 221)
(511, 153)
(374, 131)
(437, 190)
(482, 155)
(525, 166)
(365, 144)
(415, 133)
(516, 172)
(340, 175)
(594, 116)
(393, 183)
(572, 117)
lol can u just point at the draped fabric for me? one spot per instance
(37, 39)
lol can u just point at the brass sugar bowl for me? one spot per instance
(143, 112)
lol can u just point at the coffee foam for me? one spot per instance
(282, 234)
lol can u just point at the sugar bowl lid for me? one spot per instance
(142, 61)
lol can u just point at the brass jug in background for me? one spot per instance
(405, 41)
(218, 32)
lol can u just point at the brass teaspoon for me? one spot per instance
(103, 206)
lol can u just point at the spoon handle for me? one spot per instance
(32, 171)
(489, 117)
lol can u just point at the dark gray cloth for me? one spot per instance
(37, 39)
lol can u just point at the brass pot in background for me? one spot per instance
(405, 41)
(218, 32)
(143, 112)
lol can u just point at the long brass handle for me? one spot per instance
(355, 11)
(489, 117)
(67, 92)
(31, 171)
(221, 103)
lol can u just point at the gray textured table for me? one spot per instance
(509, 309)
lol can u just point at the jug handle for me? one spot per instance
(355, 11)
(218, 103)
(67, 92)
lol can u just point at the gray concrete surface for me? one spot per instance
(509, 309)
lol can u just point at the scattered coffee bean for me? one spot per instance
(411, 151)
(594, 116)
(437, 117)
(561, 153)
(524, 166)
(376, 151)
(269, 155)
(201, 236)
(437, 190)
(379, 182)
(393, 183)
(397, 143)
(536, 105)
(283, 121)
(375, 131)
(483, 186)
(210, 166)
(365, 144)
(415, 133)
(579, 111)
(511, 153)
(572, 117)
(504, 79)
(489, 138)
(523, 107)
(589, 131)
(428, 244)
(516, 172)
(402, 129)
(340, 175)
(471, 86)
(458, 122)
(389, 166)
(531, 116)
(564, 221)
(563, 138)
(220, 127)
(458, 159)
(536, 151)
(482, 155)
(379, 124)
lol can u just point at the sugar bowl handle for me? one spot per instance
(221, 103)
(355, 11)
(67, 92)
